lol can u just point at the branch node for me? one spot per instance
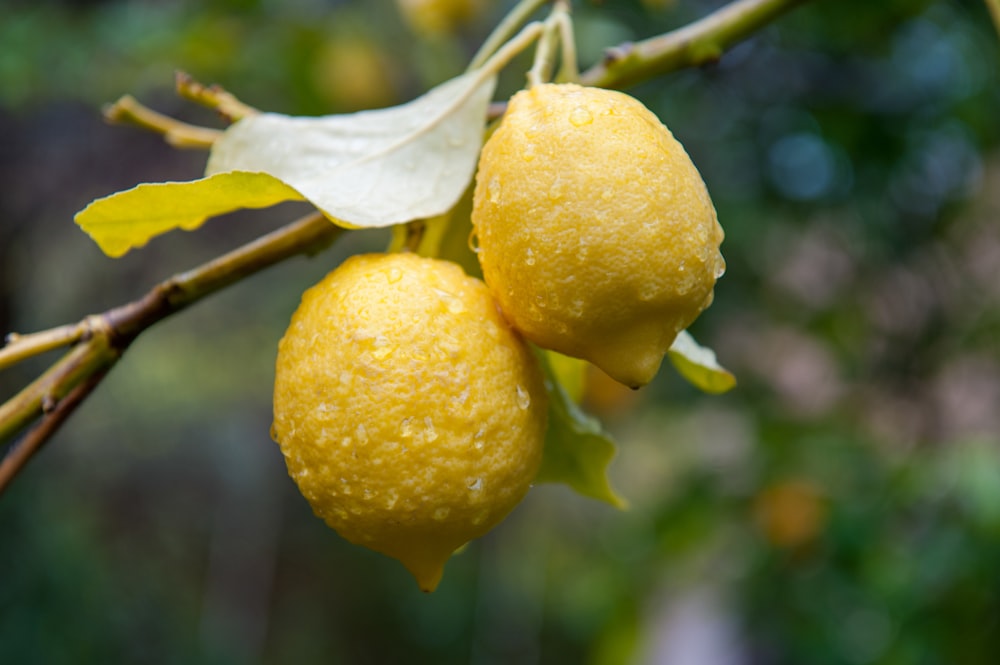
(213, 96)
(96, 325)
(616, 54)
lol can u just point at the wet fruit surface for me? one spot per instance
(410, 415)
(595, 231)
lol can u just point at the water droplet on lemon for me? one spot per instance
(523, 398)
(580, 116)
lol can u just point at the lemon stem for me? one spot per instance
(408, 237)
(512, 48)
(505, 30)
(545, 52)
(569, 69)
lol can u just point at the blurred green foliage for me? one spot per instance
(842, 505)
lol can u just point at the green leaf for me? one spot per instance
(372, 168)
(699, 365)
(447, 236)
(570, 373)
(128, 219)
(577, 450)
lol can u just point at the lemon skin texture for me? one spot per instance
(595, 231)
(409, 413)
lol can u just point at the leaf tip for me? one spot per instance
(616, 500)
(699, 365)
(111, 247)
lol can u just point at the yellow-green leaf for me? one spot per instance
(577, 450)
(699, 365)
(448, 236)
(128, 219)
(372, 168)
(571, 373)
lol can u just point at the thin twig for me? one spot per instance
(307, 235)
(111, 332)
(212, 96)
(695, 44)
(545, 52)
(511, 49)
(22, 347)
(506, 29)
(35, 438)
(38, 396)
(128, 111)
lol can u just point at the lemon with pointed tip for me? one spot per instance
(409, 413)
(595, 231)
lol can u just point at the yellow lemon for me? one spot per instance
(410, 415)
(351, 72)
(595, 231)
(435, 17)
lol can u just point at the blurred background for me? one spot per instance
(841, 505)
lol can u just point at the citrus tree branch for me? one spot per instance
(128, 111)
(212, 96)
(22, 347)
(45, 392)
(100, 339)
(697, 43)
(33, 440)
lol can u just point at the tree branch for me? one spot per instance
(23, 450)
(21, 347)
(212, 96)
(178, 134)
(99, 340)
(695, 44)
(42, 394)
